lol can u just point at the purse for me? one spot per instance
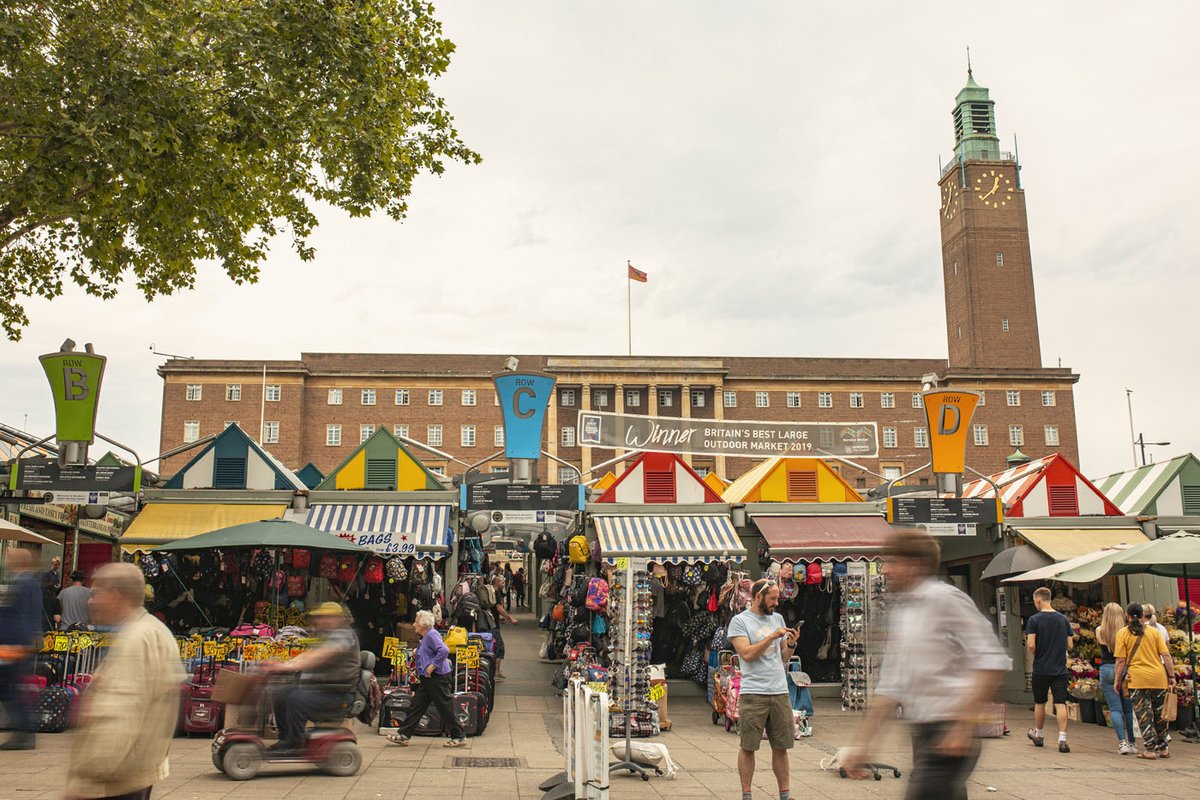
(1171, 706)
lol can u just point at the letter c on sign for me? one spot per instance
(947, 426)
(524, 391)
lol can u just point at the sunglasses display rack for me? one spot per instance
(629, 604)
(854, 621)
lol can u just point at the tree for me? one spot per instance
(140, 136)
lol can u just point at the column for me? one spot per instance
(585, 453)
(552, 434)
(719, 414)
(619, 407)
(652, 399)
(685, 411)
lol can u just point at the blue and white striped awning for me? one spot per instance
(669, 539)
(404, 530)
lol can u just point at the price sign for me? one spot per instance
(62, 643)
(622, 564)
(84, 641)
(213, 649)
(48, 643)
(467, 655)
(597, 686)
(253, 652)
(391, 648)
(657, 692)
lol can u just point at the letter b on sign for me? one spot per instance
(949, 417)
(74, 384)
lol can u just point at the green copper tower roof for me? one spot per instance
(975, 123)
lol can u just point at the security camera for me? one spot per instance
(510, 363)
(929, 381)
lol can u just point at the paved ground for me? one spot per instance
(526, 724)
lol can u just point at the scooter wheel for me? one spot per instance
(217, 762)
(242, 762)
(344, 760)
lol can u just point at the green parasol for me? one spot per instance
(268, 533)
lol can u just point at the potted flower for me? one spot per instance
(1085, 689)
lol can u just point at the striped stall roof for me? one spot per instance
(670, 539)
(420, 530)
(1014, 483)
(1136, 490)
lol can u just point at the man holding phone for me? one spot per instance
(764, 645)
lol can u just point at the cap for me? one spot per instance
(329, 609)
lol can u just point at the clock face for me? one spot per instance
(950, 198)
(994, 189)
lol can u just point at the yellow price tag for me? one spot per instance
(84, 641)
(213, 649)
(598, 686)
(657, 692)
(467, 655)
(48, 643)
(62, 643)
(391, 647)
(622, 563)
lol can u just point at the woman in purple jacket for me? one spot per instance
(432, 662)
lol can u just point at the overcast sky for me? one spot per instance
(773, 167)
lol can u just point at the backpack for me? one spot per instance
(579, 591)
(262, 564)
(468, 609)
(423, 597)
(739, 598)
(328, 568)
(814, 573)
(396, 571)
(599, 624)
(787, 571)
(545, 546)
(301, 558)
(373, 571)
(297, 586)
(693, 575)
(597, 595)
(579, 550)
(346, 569)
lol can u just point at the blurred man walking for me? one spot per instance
(20, 632)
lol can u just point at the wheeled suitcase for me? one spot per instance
(395, 709)
(200, 713)
(53, 709)
(471, 708)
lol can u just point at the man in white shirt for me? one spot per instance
(942, 661)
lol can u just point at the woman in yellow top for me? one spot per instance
(1141, 651)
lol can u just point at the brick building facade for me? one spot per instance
(319, 408)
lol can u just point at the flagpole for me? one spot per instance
(629, 303)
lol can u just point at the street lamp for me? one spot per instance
(1143, 444)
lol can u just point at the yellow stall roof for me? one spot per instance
(1063, 543)
(159, 523)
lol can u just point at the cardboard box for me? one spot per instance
(236, 688)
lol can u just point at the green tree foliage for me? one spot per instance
(140, 136)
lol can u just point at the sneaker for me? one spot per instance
(1038, 741)
(455, 743)
(1123, 748)
(1063, 747)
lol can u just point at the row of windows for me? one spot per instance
(999, 262)
(886, 399)
(1016, 436)
(233, 392)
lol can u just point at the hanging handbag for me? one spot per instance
(1170, 706)
(1128, 661)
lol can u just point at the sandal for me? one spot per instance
(1163, 754)
(455, 743)
(1147, 756)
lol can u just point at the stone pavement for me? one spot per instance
(526, 725)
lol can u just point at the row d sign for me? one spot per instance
(949, 416)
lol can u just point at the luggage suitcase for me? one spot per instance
(53, 709)
(200, 713)
(394, 711)
(471, 708)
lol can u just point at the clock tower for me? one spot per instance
(991, 316)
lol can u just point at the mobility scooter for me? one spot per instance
(241, 753)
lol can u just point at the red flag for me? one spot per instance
(636, 274)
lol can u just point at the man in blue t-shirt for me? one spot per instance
(764, 644)
(1048, 638)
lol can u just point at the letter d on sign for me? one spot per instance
(949, 416)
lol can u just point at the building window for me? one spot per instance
(955, 267)
(889, 437)
(334, 398)
(1049, 399)
(274, 392)
(191, 431)
(793, 399)
(921, 437)
(856, 399)
(600, 397)
(466, 436)
(468, 397)
(730, 399)
(1013, 397)
(499, 468)
(568, 436)
(981, 436)
(1004, 325)
(333, 435)
(194, 391)
(233, 391)
(566, 397)
(400, 430)
(270, 433)
(567, 475)
(402, 397)
(1052, 436)
(825, 437)
(498, 436)
(664, 398)
(892, 473)
(999, 259)
(917, 400)
(433, 436)
(824, 399)
(1016, 435)
(702, 471)
(364, 432)
(368, 397)
(887, 399)
(762, 399)
(435, 397)
(697, 398)
(633, 398)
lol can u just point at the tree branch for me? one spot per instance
(32, 226)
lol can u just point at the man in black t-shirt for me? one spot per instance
(1048, 638)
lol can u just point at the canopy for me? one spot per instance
(1174, 556)
(160, 523)
(15, 533)
(400, 529)
(670, 539)
(1064, 543)
(814, 536)
(269, 533)
(1015, 560)
(1051, 572)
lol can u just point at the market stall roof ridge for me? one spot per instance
(406, 529)
(1170, 487)
(382, 462)
(827, 537)
(669, 538)
(233, 460)
(1051, 485)
(791, 478)
(1061, 544)
(659, 478)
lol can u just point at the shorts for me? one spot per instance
(1055, 685)
(770, 711)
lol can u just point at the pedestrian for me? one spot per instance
(1048, 638)
(51, 607)
(1142, 655)
(74, 601)
(942, 661)
(128, 713)
(54, 574)
(496, 613)
(20, 634)
(1151, 619)
(508, 585)
(1121, 708)
(519, 586)
(764, 644)
(432, 661)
